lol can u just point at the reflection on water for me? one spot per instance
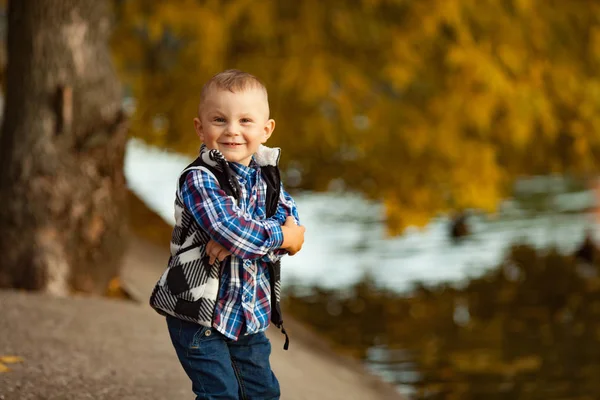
(527, 329)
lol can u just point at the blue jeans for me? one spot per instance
(221, 368)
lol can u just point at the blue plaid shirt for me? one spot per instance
(244, 302)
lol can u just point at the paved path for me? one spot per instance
(97, 348)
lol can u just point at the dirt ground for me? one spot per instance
(98, 348)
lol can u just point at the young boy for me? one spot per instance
(234, 222)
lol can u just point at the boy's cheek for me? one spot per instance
(211, 143)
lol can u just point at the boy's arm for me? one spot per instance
(218, 214)
(285, 208)
(293, 239)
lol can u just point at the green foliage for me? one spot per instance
(426, 105)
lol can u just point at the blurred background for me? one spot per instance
(444, 155)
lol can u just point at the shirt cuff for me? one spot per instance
(275, 233)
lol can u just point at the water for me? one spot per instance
(346, 237)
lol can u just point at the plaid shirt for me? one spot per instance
(244, 301)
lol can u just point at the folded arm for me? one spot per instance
(286, 207)
(226, 223)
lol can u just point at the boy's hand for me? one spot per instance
(216, 252)
(293, 236)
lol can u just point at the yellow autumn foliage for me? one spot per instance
(427, 105)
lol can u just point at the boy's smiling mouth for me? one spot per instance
(231, 144)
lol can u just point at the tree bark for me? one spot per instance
(62, 188)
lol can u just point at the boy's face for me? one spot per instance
(236, 124)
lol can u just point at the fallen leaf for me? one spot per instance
(10, 359)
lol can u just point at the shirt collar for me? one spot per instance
(243, 171)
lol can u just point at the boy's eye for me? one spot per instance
(219, 119)
(245, 120)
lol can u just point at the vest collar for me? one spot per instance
(264, 156)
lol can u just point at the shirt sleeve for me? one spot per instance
(285, 208)
(226, 223)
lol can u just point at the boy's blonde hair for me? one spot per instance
(233, 80)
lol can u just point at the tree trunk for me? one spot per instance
(62, 188)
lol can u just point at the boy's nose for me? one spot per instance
(233, 129)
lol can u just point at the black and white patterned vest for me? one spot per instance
(189, 287)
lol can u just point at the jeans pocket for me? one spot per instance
(204, 339)
(190, 335)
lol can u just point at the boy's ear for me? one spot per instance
(198, 128)
(269, 128)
